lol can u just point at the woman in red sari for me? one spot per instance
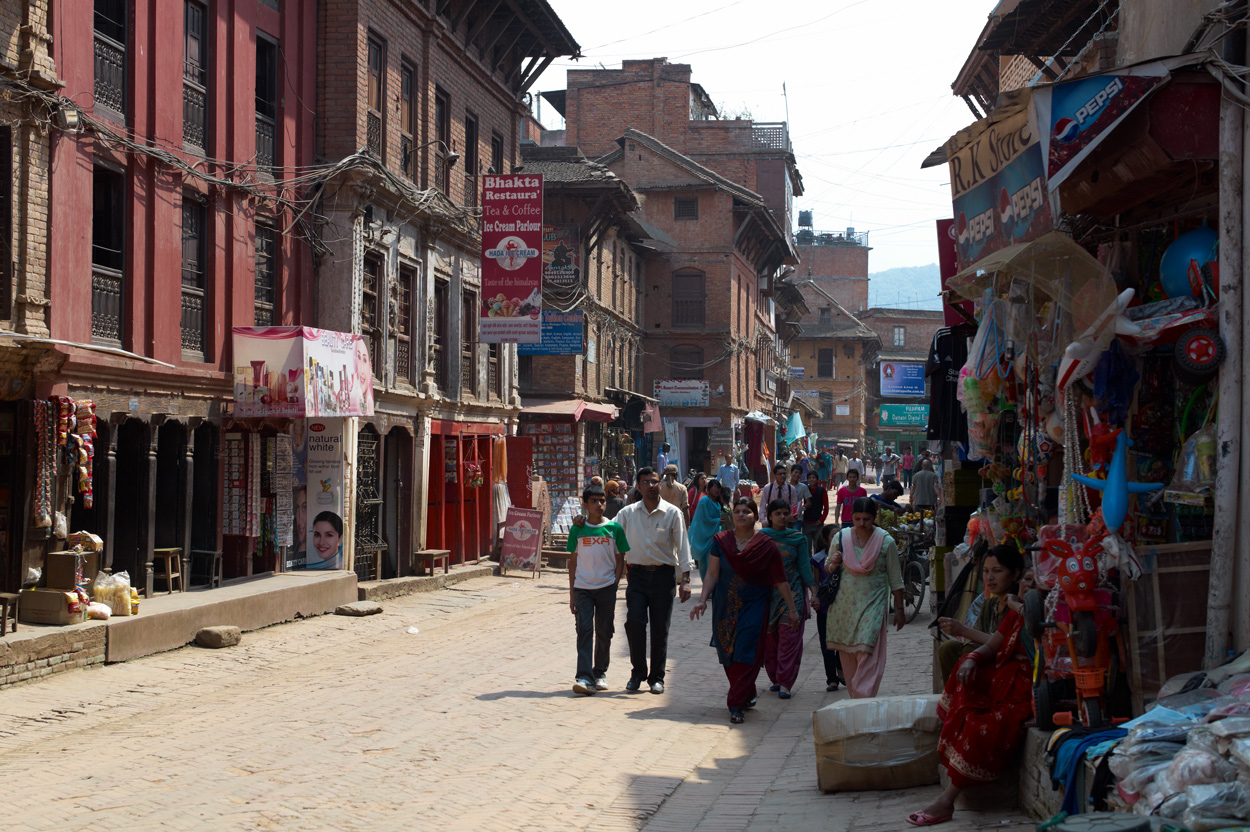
(987, 701)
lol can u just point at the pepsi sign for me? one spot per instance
(1082, 111)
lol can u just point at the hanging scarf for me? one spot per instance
(861, 564)
(758, 563)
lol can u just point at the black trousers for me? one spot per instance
(596, 609)
(833, 661)
(649, 599)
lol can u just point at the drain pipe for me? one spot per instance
(1228, 564)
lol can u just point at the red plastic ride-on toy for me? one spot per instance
(1080, 651)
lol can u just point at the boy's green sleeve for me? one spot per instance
(622, 543)
(571, 546)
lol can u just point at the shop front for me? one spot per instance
(569, 440)
(462, 462)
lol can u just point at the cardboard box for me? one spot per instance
(870, 744)
(46, 606)
(62, 567)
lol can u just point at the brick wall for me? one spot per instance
(919, 327)
(845, 386)
(26, 656)
(842, 271)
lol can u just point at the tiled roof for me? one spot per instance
(560, 165)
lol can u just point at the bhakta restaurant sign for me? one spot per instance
(998, 186)
(512, 262)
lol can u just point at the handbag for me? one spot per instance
(827, 592)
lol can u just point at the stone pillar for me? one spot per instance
(184, 530)
(110, 489)
(147, 492)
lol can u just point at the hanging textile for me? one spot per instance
(45, 463)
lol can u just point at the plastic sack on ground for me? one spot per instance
(1126, 759)
(1218, 806)
(114, 591)
(99, 611)
(884, 743)
(1195, 767)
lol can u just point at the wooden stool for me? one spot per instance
(214, 565)
(8, 601)
(170, 558)
(430, 557)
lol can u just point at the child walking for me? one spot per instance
(598, 549)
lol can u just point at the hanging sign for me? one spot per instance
(902, 378)
(904, 415)
(324, 467)
(512, 263)
(292, 372)
(682, 392)
(561, 258)
(562, 334)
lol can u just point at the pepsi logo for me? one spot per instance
(317, 427)
(1066, 130)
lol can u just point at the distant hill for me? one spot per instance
(908, 287)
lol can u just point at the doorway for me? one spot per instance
(130, 505)
(699, 453)
(396, 499)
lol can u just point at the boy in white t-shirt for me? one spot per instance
(598, 549)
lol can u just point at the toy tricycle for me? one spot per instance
(1080, 652)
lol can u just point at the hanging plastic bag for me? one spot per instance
(1195, 470)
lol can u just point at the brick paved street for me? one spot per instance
(358, 724)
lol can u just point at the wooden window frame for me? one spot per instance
(685, 208)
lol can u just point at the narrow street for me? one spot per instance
(467, 723)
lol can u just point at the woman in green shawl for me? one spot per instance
(783, 645)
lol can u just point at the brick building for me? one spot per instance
(905, 335)
(593, 283)
(174, 125)
(712, 346)
(838, 262)
(24, 311)
(420, 100)
(827, 367)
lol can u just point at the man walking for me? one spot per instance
(909, 462)
(924, 487)
(856, 464)
(797, 477)
(659, 552)
(816, 512)
(889, 465)
(661, 459)
(779, 489)
(839, 470)
(672, 491)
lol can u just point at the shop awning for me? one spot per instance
(571, 410)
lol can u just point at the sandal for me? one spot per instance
(783, 694)
(923, 818)
(736, 716)
(832, 687)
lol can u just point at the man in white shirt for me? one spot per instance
(856, 464)
(890, 462)
(796, 479)
(658, 553)
(728, 476)
(779, 489)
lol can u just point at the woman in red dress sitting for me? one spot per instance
(987, 702)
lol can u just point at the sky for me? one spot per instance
(867, 83)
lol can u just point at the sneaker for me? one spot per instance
(633, 685)
(657, 687)
(832, 687)
(584, 686)
(601, 683)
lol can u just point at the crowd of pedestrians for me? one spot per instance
(764, 574)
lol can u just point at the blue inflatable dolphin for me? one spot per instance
(1116, 487)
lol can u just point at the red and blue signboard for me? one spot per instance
(1083, 110)
(562, 334)
(902, 379)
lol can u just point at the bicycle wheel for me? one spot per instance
(913, 589)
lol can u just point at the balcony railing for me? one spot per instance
(850, 237)
(107, 288)
(110, 73)
(771, 135)
(403, 365)
(373, 134)
(193, 321)
(265, 142)
(468, 369)
(194, 112)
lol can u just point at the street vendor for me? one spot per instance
(1002, 571)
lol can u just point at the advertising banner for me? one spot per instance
(841, 410)
(902, 378)
(512, 263)
(1077, 114)
(562, 334)
(293, 372)
(324, 466)
(948, 267)
(522, 539)
(998, 187)
(562, 268)
(682, 392)
(904, 415)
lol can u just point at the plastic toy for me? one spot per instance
(1200, 246)
(1116, 487)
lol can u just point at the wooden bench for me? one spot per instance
(8, 606)
(428, 558)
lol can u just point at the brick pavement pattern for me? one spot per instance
(467, 723)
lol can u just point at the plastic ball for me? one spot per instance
(1199, 244)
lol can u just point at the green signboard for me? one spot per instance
(904, 415)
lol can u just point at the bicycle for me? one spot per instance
(914, 565)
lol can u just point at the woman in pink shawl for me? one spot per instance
(857, 618)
